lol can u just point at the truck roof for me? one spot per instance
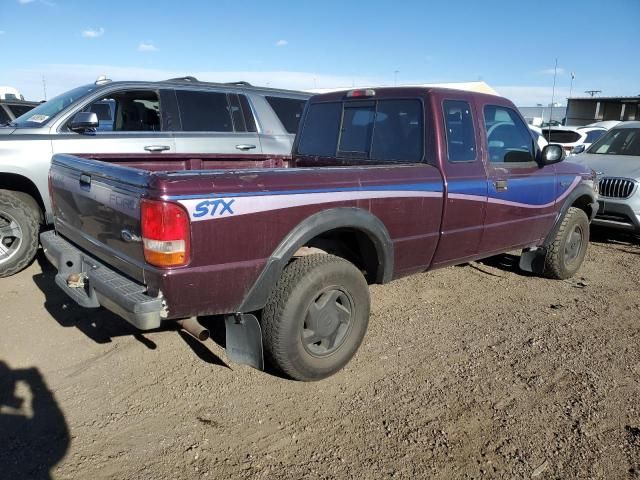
(405, 91)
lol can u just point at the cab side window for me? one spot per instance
(4, 116)
(509, 140)
(461, 137)
(127, 111)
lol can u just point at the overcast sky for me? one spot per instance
(511, 45)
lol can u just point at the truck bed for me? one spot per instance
(97, 208)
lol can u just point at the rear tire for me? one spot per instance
(19, 228)
(567, 251)
(316, 317)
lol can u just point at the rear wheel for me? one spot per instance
(316, 317)
(19, 227)
(568, 249)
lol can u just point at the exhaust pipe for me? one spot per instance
(194, 328)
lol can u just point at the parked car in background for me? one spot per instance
(606, 124)
(592, 134)
(570, 137)
(383, 183)
(178, 117)
(537, 134)
(616, 159)
(12, 109)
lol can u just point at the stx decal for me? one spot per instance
(210, 208)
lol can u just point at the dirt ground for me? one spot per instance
(478, 371)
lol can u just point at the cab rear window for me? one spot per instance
(375, 130)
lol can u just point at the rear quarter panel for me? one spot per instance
(240, 218)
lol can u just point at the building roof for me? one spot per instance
(633, 98)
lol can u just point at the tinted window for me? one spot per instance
(594, 135)
(357, 122)
(127, 111)
(236, 113)
(4, 116)
(204, 111)
(19, 109)
(508, 137)
(288, 110)
(560, 136)
(249, 121)
(461, 140)
(376, 130)
(398, 131)
(619, 141)
(320, 131)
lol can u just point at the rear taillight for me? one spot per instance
(165, 233)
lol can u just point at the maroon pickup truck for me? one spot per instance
(382, 183)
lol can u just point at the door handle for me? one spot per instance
(245, 146)
(85, 180)
(501, 185)
(157, 148)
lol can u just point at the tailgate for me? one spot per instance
(97, 207)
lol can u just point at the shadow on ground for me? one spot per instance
(101, 325)
(34, 435)
(619, 240)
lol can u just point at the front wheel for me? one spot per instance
(19, 228)
(569, 247)
(316, 317)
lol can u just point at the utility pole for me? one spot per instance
(395, 77)
(593, 92)
(573, 75)
(44, 87)
(553, 95)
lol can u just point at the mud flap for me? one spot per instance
(532, 260)
(244, 340)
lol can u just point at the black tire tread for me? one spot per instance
(553, 267)
(32, 218)
(276, 303)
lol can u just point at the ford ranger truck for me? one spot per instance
(383, 183)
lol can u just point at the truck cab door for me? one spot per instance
(520, 207)
(466, 183)
(131, 122)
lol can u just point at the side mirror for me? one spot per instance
(551, 154)
(578, 149)
(84, 121)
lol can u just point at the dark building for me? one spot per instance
(586, 110)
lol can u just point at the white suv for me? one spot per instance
(177, 116)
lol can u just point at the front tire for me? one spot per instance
(567, 251)
(19, 228)
(316, 317)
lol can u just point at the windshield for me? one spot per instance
(45, 111)
(619, 141)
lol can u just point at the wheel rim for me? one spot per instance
(573, 245)
(327, 322)
(10, 237)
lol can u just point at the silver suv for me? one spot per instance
(616, 158)
(181, 116)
